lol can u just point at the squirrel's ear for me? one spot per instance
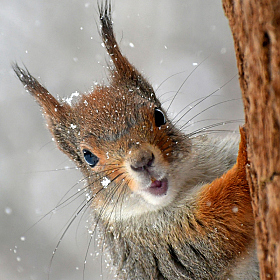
(59, 116)
(124, 73)
(52, 108)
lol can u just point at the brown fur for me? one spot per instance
(225, 204)
(189, 231)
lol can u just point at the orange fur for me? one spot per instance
(225, 204)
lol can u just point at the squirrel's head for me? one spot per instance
(118, 135)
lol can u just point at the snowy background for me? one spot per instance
(58, 42)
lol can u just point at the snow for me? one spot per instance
(70, 99)
(105, 182)
(8, 210)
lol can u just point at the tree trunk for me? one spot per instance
(255, 25)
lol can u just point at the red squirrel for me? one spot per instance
(164, 201)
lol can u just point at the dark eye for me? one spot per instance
(159, 117)
(90, 158)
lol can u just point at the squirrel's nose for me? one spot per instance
(141, 160)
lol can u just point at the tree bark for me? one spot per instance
(255, 25)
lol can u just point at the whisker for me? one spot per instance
(208, 120)
(122, 201)
(204, 98)
(80, 208)
(75, 212)
(107, 199)
(58, 206)
(219, 123)
(86, 203)
(166, 79)
(170, 91)
(52, 170)
(77, 183)
(205, 129)
(215, 131)
(211, 132)
(94, 194)
(45, 145)
(116, 204)
(167, 100)
(79, 191)
(188, 105)
(102, 210)
(121, 186)
(63, 234)
(177, 92)
(204, 110)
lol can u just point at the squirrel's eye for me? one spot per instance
(90, 158)
(159, 117)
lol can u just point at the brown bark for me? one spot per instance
(255, 26)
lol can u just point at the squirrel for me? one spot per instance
(169, 205)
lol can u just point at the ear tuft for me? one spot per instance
(59, 116)
(124, 72)
(123, 69)
(51, 107)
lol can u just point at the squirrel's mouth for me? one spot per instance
(158, 187)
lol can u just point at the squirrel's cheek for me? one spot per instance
(133, 186)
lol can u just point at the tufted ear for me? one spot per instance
(52, 109)
(60, 116)
(123, 73)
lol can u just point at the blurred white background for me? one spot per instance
(59, 43)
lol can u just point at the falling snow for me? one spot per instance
(223, 50)
(8, 210)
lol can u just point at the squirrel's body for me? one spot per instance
(149, 184)
(205, 234)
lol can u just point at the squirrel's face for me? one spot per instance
(128, 151)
